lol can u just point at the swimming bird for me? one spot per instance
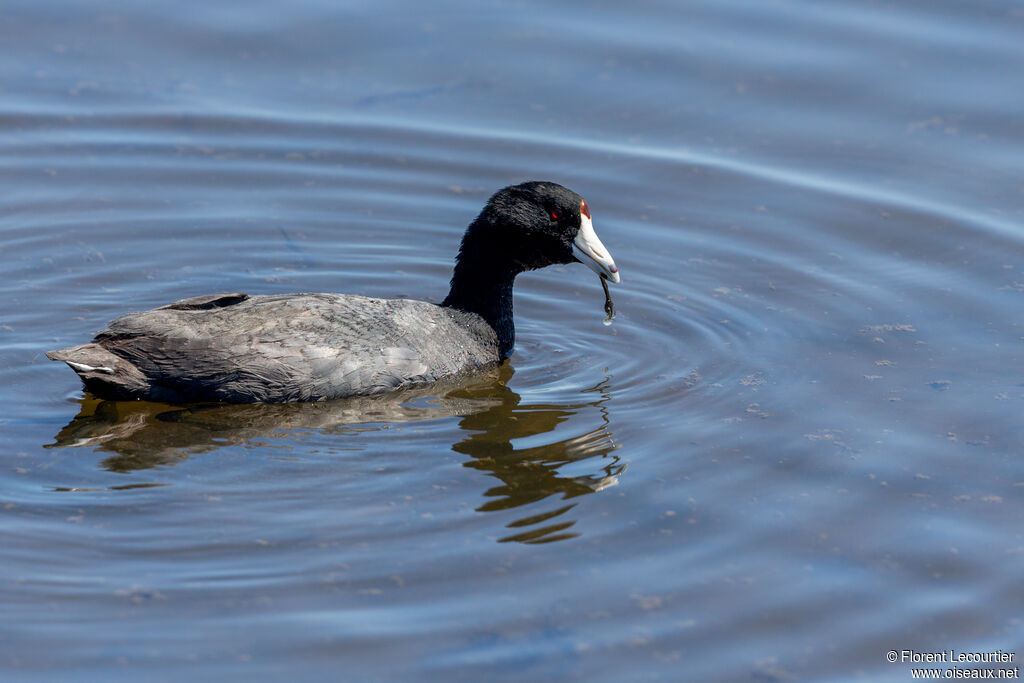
(275, 348)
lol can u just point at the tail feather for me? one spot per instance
(104, 373)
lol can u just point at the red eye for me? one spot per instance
(556, 214)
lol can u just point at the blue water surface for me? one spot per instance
(798, 447)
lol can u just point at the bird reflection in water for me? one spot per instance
(512, 442)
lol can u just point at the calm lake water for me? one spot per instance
(799, 446)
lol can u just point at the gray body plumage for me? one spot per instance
(294, 347)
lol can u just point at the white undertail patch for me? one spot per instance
(82, 367)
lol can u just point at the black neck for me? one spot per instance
(482, 284)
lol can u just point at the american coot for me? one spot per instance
(307, 347)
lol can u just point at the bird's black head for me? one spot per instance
(522, 227)
(538, 224)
